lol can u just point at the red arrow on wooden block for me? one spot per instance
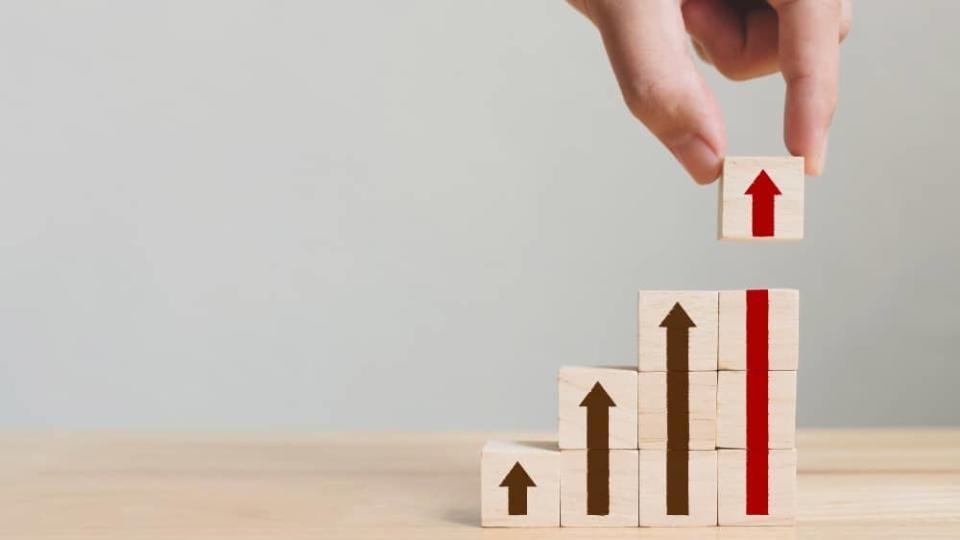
(763, 190)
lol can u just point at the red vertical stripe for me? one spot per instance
(758, 362)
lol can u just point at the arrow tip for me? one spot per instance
(677, 318)
(763, 185)
(517, 477)
(597, 396)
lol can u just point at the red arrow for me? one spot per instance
(517, 481)
(763, 190)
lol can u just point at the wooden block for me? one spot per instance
(700, 416)
(597, 404)
(687, 321)
(678, 488)
(745, 498)
(732, 419)
(767, 319)
(761, 198)
(599, 488)
(520, 484)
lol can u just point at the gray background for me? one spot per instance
(296, 215)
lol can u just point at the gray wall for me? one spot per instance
(298, 215)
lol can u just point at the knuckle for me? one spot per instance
(655, 102)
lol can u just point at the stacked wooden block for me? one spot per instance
(700, 433)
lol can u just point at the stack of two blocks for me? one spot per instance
(701, 434)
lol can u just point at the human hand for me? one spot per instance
(743, 39)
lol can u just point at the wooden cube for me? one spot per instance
(597, 407)
(520, 484)
(695, 425)
(761, 198)
(677, 330)
(599, 488)
(758, 488)
(678, 488)
(761, 323)
(781, 404)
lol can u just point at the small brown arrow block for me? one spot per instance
(520, 484)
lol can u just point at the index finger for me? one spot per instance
(809, 59)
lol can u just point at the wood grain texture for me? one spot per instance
(702, 490)
(652, 414)
(653, 307)
(541, 462)
(853, 484)
(732, 409)
(736, 207)
(783, 323)
(624, 490)
(575, 382)
(782, 488)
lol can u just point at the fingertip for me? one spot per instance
(699, 158)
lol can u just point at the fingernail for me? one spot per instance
(822, 159)
(698, 158)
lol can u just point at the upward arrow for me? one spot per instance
(763, 190)
(678, 325)
(517, 481)
(598, 403)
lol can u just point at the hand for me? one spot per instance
(743, 39)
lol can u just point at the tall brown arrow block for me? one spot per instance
(597, 408)
(677, 330)
(700, 506)
(608, 497)
(701, 408)
(761, 198)
(520, 484)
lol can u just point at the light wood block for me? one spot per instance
(754, 207)
(782, 326)
(520, 484)
(781, 488)
(732, 409)
(657, 318)
(701, 488)
(622, 489)
(701, 403)
(619, 384)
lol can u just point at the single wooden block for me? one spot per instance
(677, 330)
(700, 415)
(678, 488)
(520, 484)
(757, 487)
(599, 488)
(762, 325)
(734, 428)
(761, 198)
(598, 407)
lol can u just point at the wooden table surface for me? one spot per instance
(853, 484)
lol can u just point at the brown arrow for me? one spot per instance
(598, 403)
(517, 481)
(678, 325)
